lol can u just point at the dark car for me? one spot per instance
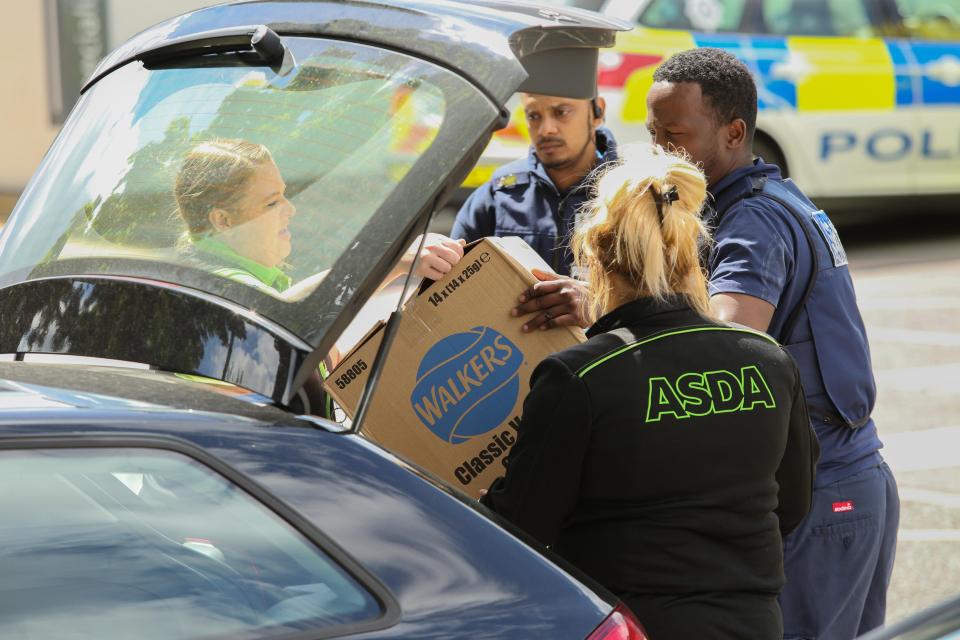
(164, 473)
(938, 622)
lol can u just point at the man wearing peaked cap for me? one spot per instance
(538, 197)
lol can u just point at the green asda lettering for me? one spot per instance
(702, 394)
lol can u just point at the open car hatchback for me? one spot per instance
(165, 473)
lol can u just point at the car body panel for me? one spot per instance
(113, 338)
(452, 571)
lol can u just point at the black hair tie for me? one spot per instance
(667, 196)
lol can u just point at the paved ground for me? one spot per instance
(907, 275)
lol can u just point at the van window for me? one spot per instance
(816, 17)
(694, 15)
(931, 19)
(777, 17)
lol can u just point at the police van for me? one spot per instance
(857, 98)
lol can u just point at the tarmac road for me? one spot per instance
(907, 275)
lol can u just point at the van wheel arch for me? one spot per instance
(767, 148)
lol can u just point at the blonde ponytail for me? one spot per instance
(643, 229)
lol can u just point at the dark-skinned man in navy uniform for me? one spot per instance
(777, 265)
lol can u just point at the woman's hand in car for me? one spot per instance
(438, 256)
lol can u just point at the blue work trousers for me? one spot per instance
(839, 560)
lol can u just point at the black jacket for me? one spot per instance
(665, 456)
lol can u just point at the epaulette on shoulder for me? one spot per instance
(510, 180)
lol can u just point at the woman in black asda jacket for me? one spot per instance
(668, 454)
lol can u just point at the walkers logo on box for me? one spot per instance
(467, 384)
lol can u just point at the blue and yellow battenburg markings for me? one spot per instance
(846, 73)
(940, 78)
(814, 73)
(909, 85)
(804, 73)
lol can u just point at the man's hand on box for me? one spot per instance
(556, 300)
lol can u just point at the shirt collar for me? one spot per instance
(270, 276)
(639, 311)
(734, 185)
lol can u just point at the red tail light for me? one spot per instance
(619, 625)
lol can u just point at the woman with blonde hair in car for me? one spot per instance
(668, 454)
(231, 196)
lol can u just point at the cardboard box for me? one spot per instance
(452, 389)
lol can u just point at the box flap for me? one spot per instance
(521, 253)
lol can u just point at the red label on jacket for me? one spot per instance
(840, 507)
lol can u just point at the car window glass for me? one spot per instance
(931, 19)
(816, 17)
(592, 5)
(696, 15)
(296, 164)
(135, 543)
(257, 176)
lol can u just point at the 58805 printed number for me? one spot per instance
(350, 374)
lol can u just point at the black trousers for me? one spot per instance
(713, 616)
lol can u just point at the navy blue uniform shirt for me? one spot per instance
(761, 250)
(521, 200)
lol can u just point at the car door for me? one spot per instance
(363, 133)
(927, 59)
(847, 136)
